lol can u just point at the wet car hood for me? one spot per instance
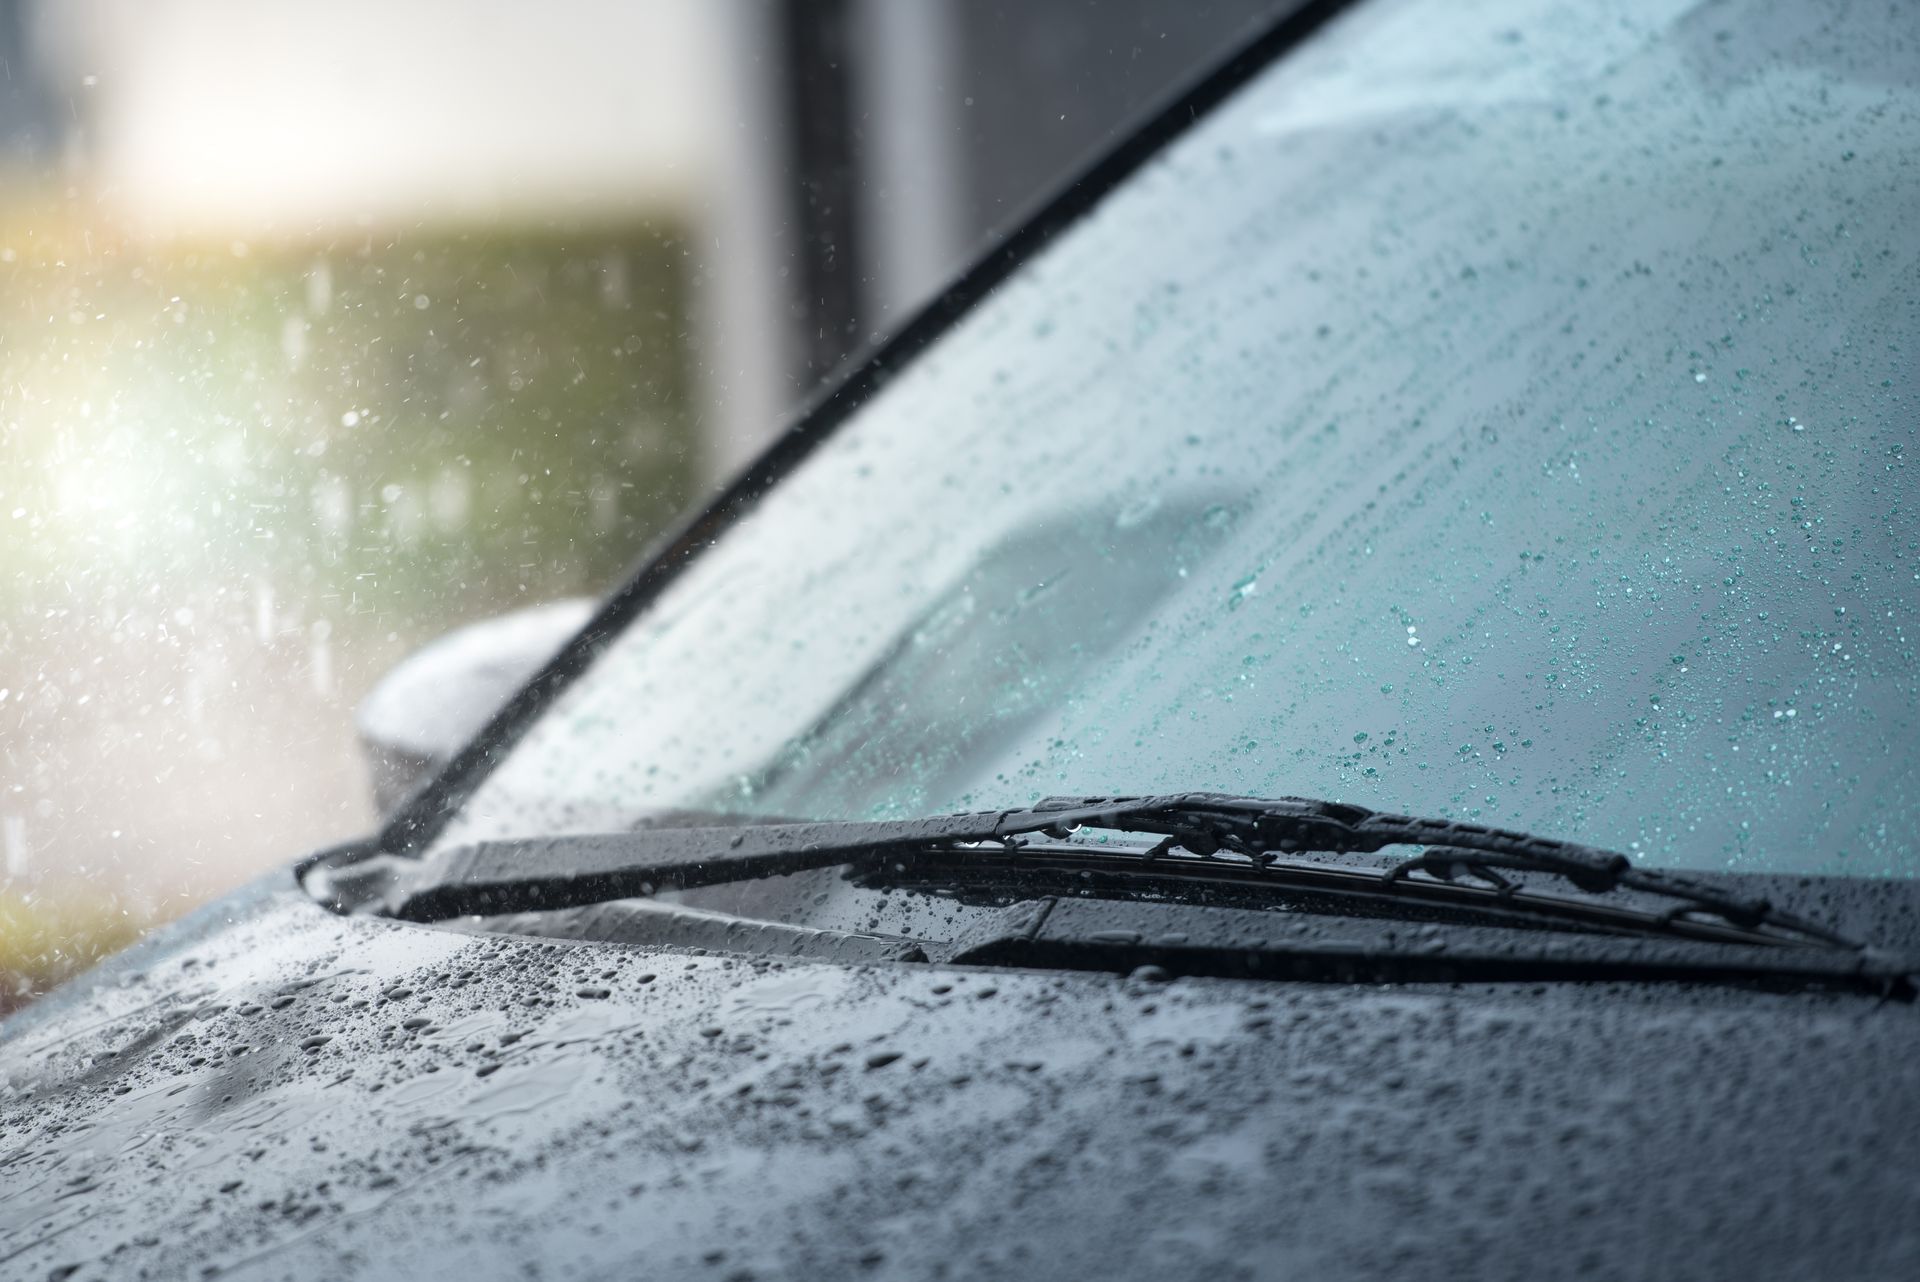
(267, 1090)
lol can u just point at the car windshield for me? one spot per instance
(1503, 412)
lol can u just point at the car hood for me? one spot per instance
(267, 1090)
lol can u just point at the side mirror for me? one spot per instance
(435, 699)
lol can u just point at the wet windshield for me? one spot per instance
(1508, 417)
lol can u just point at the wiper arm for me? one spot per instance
(570, 871)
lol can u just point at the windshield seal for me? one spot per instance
(420, 818)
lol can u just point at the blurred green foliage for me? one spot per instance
(47, 938)
(238, 481)
(432, 425)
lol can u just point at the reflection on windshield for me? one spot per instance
(1029, 621)
(1560, 388)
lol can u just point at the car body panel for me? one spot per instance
(421, 1102)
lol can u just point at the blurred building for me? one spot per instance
(29, 122)
(891, 141)
(840, 158)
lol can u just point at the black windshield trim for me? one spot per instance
(422, 816)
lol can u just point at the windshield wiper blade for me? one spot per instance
(537, 874)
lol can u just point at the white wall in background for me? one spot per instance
(230, 114)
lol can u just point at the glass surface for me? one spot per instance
(1503, 412)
